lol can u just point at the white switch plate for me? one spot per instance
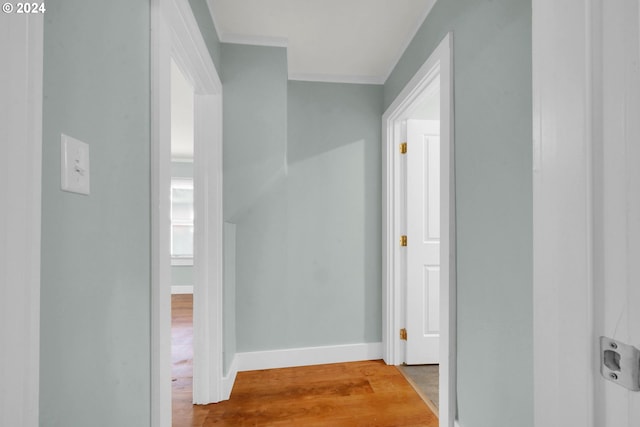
(74, 165)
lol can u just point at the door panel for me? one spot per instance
(432, 300)
(423, 236)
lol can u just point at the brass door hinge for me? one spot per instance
(403, 148)
(403, 334)
(403, 240)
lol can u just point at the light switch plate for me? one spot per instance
(74, 165)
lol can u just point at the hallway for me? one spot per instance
(367, 393)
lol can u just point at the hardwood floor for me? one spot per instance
(181, 359)
(366, 394)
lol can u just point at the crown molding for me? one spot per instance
(242, 38)
(254, 40)
(337, 78)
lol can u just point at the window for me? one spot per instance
(182, 221)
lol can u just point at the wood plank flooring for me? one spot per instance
(365, 394)
(181, 359)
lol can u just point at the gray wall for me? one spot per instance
(207, 28)
(182, 275)
(95, 343)
(334, 217)
(255, 114)
(255, 124)
(492, 80)
(306, 205)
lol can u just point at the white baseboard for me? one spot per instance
(229, 379)
(180, 289)
(286, 358)
(456, 424)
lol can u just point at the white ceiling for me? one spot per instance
(353, 41)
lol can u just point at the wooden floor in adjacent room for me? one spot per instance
(367, 394)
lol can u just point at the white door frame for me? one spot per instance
(439, 63)
(573, 119)
(21, 50)
(175, 34)
(564, 349)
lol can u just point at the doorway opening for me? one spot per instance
(181, 191)
(176, 38)
(181, 215)
(419, 226)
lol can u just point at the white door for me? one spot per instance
(617, 206)
(423, 241)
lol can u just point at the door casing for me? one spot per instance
(175, 34)
(573, 124)
(440, 64)
(21, 89)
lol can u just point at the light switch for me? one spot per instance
(75, 165)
